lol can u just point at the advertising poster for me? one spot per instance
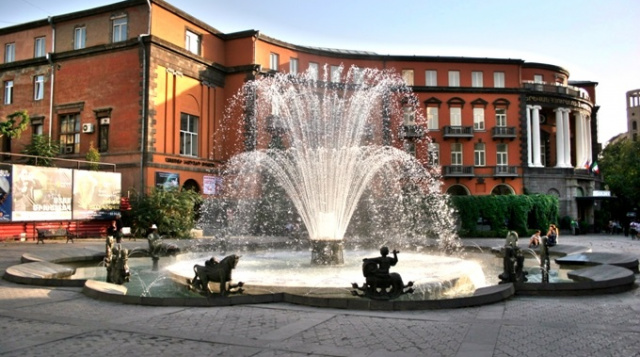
(96, 194)
(167, 180)
(41, 193)
(211, 185)
(5, 192)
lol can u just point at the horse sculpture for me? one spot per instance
(379, 283)
(213, 271)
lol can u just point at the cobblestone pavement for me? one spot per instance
(37, 321)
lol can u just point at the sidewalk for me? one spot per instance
(37, 321)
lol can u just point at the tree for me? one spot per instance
(42, 147)
(11, 128)
(93, 156)
(620, 168)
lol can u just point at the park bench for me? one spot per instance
(53, 233)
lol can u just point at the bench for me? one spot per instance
(53, 233)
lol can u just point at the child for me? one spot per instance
(535, 239)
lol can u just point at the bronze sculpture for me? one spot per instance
(214, 271)
(512, 261)
(379, 283)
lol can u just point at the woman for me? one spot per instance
(552, 236)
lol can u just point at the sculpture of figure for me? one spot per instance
(117, 266)
(214, 271)
(379, 283)
(512, 261)
(157, 248)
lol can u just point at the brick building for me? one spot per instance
(147, 84)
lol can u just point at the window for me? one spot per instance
(192, 42)
(501, 117)
(313, 71)
(454, 78)
(434, 154)
(455, 116)
(410, 147)
(408, 115)
(38, 47)
(476, 79)
(358, 75)
(120, 29)
(37, 128)
(274, 60)
(70, 134)
(188, 135)
(478, 118)
(335, 74)
(537, 78)
(79, 37)
(293, 66)
(9, 52)
(498, 79)
(8, 92)
(407, 76)
(456, 154)
(38, 87)
(479, 154)
(432, 118)
(431, 78)
(501, 155)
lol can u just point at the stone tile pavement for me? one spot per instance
(37, 321)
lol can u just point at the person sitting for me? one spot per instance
(534, 241)
(552, 236)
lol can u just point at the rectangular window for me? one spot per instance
(188, 135)
(479, 154)
(410, 147)
(408, 115)
(38, 47)
(37, 129)
(79, 38)
(335, 74)
(9, 52)
(103, 134)
(454, 78)
(498, 80)
(313, 71)
(455, 116)
(293, 66)
(432, 118)
(501, 117)
(476, 79)
(434, 154)
(38, 87)
(537, 78)
(8, 92)
(431, 78)
(478, 118)
(192, 42)
(274, 60)
(407, 75)
(119, 29)
(501, 155)
(456, 154)
(70, 134)
(358, 75)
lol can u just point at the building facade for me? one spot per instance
(147, 84)
(633, 114)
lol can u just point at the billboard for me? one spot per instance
(41, 193)
(5, 192)
(167, 180)
(96, 194)
(211, 185)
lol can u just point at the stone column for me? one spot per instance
(567, 138)
(559, 138)
(589, 139)
(536, 136)
(580, 157)
(529, 137)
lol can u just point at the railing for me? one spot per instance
(458, 131)
(503, 132)
(457, 171)
(410, 131)
(505, 171)
(78, 163)
(556, 88)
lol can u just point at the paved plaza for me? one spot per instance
(39, 321)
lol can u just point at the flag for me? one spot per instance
(594, 168)
(587, 165)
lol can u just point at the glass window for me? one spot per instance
(479, 154)
(120, 29)
(192, 42)
(537, 78)
(501, 155)
(454, 78)
(410, 147)
(478, 118)
(79, 37)
(70, 134)
(39, 46)
(476, 79)
(335, 74)
(37, 129)
(274, 60)
(8, 92)
(455, 114)
(456, 154)
(431, 78)
(358, 75)
(498, 79)
(432, 118)
(407, 76)
(188, 135)
(9, 52)
(501, 117)
(38, 87)
(434, 154)
(313, 71)
(103, 134)
(408, 115)
(293, 66)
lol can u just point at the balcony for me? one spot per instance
(503, 132)
(410, 132)
(505, 171)
(458, 132)
(457, 171)
(557, 89)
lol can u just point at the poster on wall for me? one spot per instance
(96, 194)
(211, 185)
(167, 180)
(41, 193)
(5, 192)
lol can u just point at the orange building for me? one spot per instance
(147, 84)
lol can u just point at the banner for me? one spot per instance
(167, 180)
(41, 193)
(5, 192)
(96, 194)
(211, 185)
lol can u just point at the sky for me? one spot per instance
(595, 40)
